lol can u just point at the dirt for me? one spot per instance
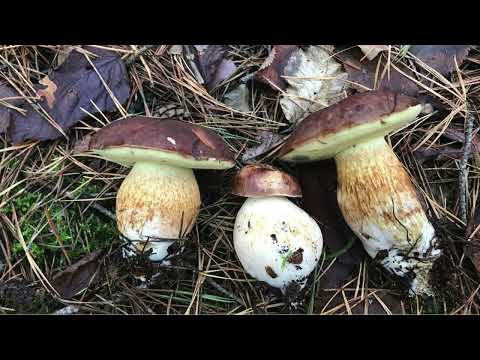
(21, 296)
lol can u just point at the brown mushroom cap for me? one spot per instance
(357, 118)
(264, 180)
(170, 141)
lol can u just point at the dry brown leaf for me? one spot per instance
(69, 91)
(6, 95)
(441, 57)
(78, 276)
(213, 65)
(369, 75)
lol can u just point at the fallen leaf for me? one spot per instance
(267, 141)
(238, 99)
(79, 275)
(74, 86)
(213, 65)
(441, 57)
(364, 75)
(271, 71)
(449, 151)
(371, 51)
(445, 152)
(6, 93)
(314, 80)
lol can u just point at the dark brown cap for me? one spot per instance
(170, 136)
(357, 118)
(264, 180)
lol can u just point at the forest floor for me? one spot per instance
(59, 245)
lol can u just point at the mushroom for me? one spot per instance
(159, 201)
(375, 194)
(276, 241)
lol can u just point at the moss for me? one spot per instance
(78, 237)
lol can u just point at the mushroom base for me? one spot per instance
(156, 206)
(380, 204)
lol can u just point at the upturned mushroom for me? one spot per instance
(375, 194)
(276, 241)
(159, 200)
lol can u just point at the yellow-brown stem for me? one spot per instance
(157, 201)
(380, 204)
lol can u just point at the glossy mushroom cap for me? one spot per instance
(172, 142)
(356, 119)
(264, 180)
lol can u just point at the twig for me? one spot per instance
(225, 291)
(210, 281)
(104, 211)
(95, 205)
(190, 57)
(138, 53)
(463, 176)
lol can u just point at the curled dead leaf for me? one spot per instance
(267, 141)
(79, 275)
(213, 65)
(369, 75)
(441, 57)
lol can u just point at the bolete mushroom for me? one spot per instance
(159, 200)
(276, 241)
(375, 194)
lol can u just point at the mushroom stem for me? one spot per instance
(157, 202)
(380, 204)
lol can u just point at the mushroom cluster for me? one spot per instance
(159, 200)
(276, 241)
(375, 193)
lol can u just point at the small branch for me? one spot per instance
(225, 291)
(190, 58)
(139, 53)
(95, 205)
(463, 175)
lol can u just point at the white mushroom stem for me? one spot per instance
(277, 242)
(380, 204)
(157, 202)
